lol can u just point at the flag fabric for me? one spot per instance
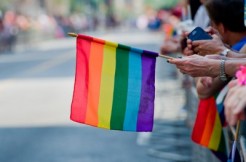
(114, 86)
(207, 130)
(220, 104)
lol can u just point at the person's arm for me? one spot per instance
(234, 54)
(232, 65)
(198, 66)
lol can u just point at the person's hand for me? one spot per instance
(188, 50)
(197, 66)
(235, 103)
(170, 46)
(205, 47)
(212, 30)
(232, 83)
(206, 81)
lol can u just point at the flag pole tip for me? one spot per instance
(72, 34)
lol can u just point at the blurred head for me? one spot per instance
(226, 16)
(203, 1)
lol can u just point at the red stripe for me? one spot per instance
(80, 94)
(201, 118)
(208, 130)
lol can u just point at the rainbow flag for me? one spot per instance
(114, 86)
(220, 104)
(207, 130)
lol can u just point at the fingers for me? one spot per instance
(197, 46)
(231, 118)
(234, 105)
(207, 81)
(176, 61)
(188, 52)
(233, 83)
(196, 49)
(239, 107)
(211, 30)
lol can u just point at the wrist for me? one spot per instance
(214, 68)
(220, 49)
(223, 75)
(224, 52)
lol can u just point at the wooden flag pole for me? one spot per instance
(237, 130)
(163, 56)
(72, 34)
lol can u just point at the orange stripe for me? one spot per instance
(95, 70)
(208, 130)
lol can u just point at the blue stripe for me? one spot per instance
(220, 107)
(134, 90)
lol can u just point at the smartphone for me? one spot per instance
(199, 34)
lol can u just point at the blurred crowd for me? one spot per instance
(214, 55)
(16, 27)
(224, 53)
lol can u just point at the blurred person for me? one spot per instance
(154, 21)
(10, 30)
(79, 22)
(229, 25)
(194, 6)
(201, 19)
(232, 33)
(1, 34)
(22, 22)
(235, 103)
(142, 22)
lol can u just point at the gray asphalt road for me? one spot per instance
(69, 144)
(35, 95)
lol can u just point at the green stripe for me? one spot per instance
(120, 88)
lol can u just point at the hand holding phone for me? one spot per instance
(199, 34)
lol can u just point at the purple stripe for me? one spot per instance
(146, 109)
(150, 53)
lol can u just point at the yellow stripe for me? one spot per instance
(216, 135)
(107, 85)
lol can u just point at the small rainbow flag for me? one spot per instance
(220, 104)
(207, 130)
(114, 85)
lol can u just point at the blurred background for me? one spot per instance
(23, 22)
(37, 68)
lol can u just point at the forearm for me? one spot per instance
(233, 54)
(208, 91)
(232, 65)
(213, 68)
